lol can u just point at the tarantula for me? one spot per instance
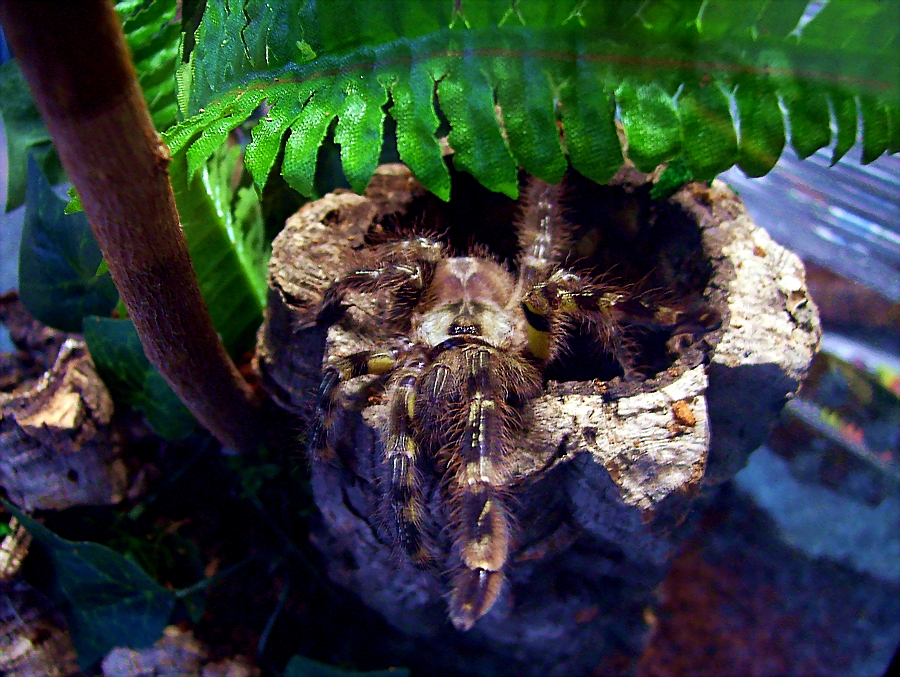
(468, 346)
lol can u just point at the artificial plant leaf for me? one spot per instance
(876, 130)
(60, 276)
(412, 94)
(588, 117)
(299, 666)
(467, 100)
(360, 130)
(779, 18)
(708, 140)
(526, 105)
(762, 126)
(110, 601)
(494, 66)
(153, 34)
(810, 118)
(121, 363)
(228, 251)
(651, 124)
(26, 135)
(846, 117)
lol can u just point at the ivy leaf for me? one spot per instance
(110, 601)
(60, 277)
(119, 357)
(299, 666)
(26, 135)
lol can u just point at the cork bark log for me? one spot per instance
(607, 471)
(59, 446)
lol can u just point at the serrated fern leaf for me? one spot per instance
(524, 83)
(153, 34)
(225, 237)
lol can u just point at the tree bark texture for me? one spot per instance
(75, 60)
(607, 471)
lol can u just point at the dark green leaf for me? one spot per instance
(467, 100)
(529, 115)
(117, 353)
(26, 135)
(762, 126)
(360, 129)
(894, 125)
(846, 116)
(588, 119)
(535, 63)
(412, 93)
(876, 130)
(651, 124)
(709, 144)
(59, 261)
(110, 600)
(810, 118)
(299, 666)
(153, 35)
(307, 134)
(672, 178)
(780, 17)
(268, 134)
(722, 18)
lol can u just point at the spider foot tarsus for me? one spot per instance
(551, 307)
(474, 593)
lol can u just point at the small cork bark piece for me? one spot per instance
(33, 635)
(58, 446)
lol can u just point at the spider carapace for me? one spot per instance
(465, 348)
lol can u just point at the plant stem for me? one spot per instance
(74, 57)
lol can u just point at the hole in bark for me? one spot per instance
(72, 476)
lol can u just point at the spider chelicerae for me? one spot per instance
(466, 345)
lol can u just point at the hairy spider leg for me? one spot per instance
(404, 268)
(478, 478)
(401, 455)
(338, 371)
(543, 233)
(551, 307)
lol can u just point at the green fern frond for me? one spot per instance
(529, 82)
(153, 34)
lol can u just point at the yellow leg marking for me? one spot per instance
(411, 403)
(380, 364)
(538, 343)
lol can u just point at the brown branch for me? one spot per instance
(75, 60)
